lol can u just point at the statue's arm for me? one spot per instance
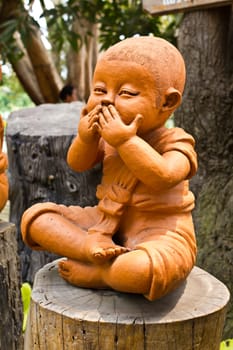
(153, 169)
(82, 156)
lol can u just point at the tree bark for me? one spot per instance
(81, 64)
(205, 40)
(66, 317)
(47, 76)
(36, 58)
(11, 310)
(25, 73)
(37, 71)
(37, 141)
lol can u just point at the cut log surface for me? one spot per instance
(38, 139)
(11, 310)
(66, 317)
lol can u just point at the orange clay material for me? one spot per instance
(140, 237)
(3, 167)
(159, 223)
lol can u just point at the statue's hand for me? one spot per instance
(112, 128)
(88, 128)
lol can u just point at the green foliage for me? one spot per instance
(123, 19)
(117, 19)
(22, 24)
(26, 298)
(60, 21)
(12, 95)
(227, 345)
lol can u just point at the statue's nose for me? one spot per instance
(105, 103)
(107, 100)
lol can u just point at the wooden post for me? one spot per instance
(38, 139)
(66, 317)
(11, 311)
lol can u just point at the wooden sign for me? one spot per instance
(171, 6)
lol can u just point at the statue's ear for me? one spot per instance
(172, 100)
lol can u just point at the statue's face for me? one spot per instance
(130, 88)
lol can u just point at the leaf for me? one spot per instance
(227, 344)
(26, 298)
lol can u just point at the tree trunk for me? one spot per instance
(47, 76)
(66, 317)
(205, 40)
(11, 309)
(81, 64)
(36, 61)
(37, 71)
(26, 75)
(37, 141)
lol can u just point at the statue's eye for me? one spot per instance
(99, 90)
(128, 92)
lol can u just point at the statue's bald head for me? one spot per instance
(157, 55)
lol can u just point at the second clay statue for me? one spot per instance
(3, 165)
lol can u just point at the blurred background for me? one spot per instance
(46, 44)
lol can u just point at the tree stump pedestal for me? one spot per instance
(66, 317)
(11, 309)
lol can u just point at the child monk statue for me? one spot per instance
(140, 237)
(3, 166)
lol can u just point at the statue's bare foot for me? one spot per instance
(108, 253)
(101, 248)
(81, 274)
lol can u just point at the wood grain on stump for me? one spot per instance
(11, 310)
(66, 317)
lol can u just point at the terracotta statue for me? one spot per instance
(140, 237)
(3, 166)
